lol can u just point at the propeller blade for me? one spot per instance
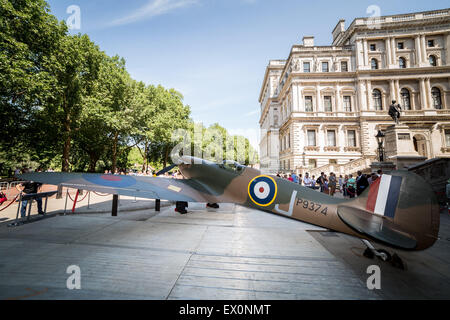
(167, 169)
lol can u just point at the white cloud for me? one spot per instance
(153, 8)
(251, 113)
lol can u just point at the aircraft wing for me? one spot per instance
(135, 186)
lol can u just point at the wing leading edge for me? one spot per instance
(135, 186)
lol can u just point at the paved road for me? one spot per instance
(232, 253)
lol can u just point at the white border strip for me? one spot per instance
(383, 193)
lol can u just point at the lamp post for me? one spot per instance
(380, 138)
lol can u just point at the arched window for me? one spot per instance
(377, 99)
(437, 101)
(374, 64)
(402, 63)
(406, 99)
(432, 60)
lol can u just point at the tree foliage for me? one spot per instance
(66, 104)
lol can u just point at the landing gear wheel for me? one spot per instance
(368, 254)
(398, 263)
(384, 255)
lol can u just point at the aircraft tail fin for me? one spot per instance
(399, 209)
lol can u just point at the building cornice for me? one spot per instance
(393, 21)
(269, 68)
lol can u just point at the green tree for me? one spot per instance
(163, 112)
(29, 35)
(75, 69)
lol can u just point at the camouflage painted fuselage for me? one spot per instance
(416, 215)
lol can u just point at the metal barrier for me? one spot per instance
(13, 187)
(29, 198)
(4, 186)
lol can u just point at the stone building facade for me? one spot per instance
(322, 107)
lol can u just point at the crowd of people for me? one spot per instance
(348, 185)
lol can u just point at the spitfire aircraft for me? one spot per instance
(393, 211)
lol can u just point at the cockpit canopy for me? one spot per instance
(233, 166)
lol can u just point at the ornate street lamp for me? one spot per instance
(380, 138)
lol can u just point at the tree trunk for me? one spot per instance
(93, 159)
(66, 150)
(166, 156)
(145, 157)
(114, 155)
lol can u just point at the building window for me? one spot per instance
(311, 138)
(447, 138)
(432, 60)
(406, 99)
(327, 104)
(437, 101)
(374, 64)
(312, 164)
(351, 138)
(325, 67)
(333, 161)
(306, 67)
(347, 104)
(373, 47)
(309, 104)
(331, 138)
(431, 43)
(344, 66)
(289, 140)
(402, 63)
(377, 101)
(401, 46)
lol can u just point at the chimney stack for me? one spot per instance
(308, 41)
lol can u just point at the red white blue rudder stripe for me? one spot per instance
(383, 195)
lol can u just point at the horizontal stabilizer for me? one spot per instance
(376, 227)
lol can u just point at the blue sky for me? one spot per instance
(215, 51)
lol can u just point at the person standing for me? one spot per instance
(341, 183)
(361, 183)
(351, 186)
(345, 186)
(321, 181)
(294, 177)
(326, 189)
(307, 180)
(332, 184)
(31, 187)
(313, 182)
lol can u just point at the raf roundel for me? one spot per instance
(262, 190)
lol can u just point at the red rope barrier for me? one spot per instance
(68, 193)
(101, 195)
(10, 203)
(78, 200)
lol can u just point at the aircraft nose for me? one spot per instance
(187, 160)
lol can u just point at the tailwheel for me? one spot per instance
(384, 255)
